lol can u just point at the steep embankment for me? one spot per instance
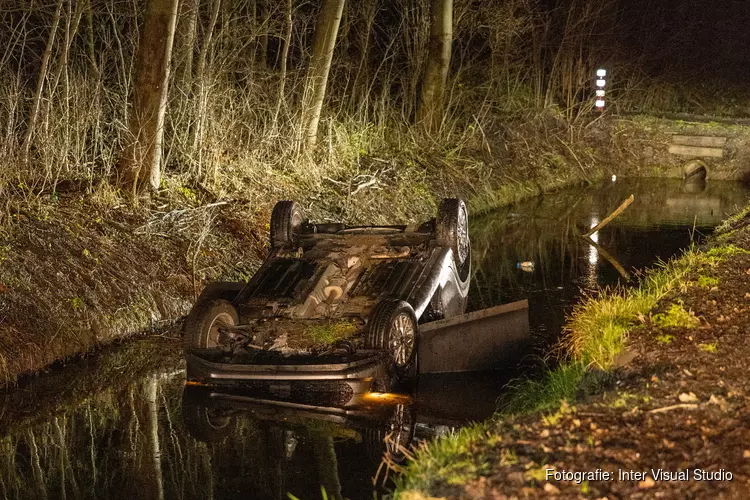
(671, 392)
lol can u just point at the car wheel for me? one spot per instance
(204, 423)
(452, 229)
(393, 327)
(286, 219)
(205, 320)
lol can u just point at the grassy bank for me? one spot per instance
(598, 346)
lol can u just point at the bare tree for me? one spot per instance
(36, 104)
(326, 33)
(430, 113)
(284, 56)
(184, 43)
(141, 159)
(200, 89)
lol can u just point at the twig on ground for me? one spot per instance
(686, 406)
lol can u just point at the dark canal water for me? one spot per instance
(121, 425)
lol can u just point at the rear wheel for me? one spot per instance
(452, 229)
(207, 318)
(286, 220)
(393, 327)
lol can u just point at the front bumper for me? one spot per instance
(335, 382)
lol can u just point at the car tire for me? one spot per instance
(393, 328)
(201, 327)
(452, 229)
(286, 220)
(205, 424)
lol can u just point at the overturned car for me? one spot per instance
(332, 303)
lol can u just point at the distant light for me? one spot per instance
(599, 103)
(614, 177)
(600, 92)
(601, 72)
(601, 82)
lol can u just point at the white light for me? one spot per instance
(600, 93)
(601, 82)
(599, 103)
(614, 178)
(593, 252)
(601, 72)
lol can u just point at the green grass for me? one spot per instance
(328, 333)
(707, 281)
(732, 221)
(675, 317)
(664, 338)
(712, 347)
(530, 395)
(449, 459)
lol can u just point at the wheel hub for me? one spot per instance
(402, 337)
(462, 233)
(221, 321)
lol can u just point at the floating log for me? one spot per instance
(625, 204)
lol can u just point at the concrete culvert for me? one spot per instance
(694, 170)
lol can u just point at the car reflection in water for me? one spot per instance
(343, 439)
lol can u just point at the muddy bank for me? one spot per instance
(74, 276)
(677, 400)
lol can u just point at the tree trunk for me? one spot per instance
(284, 56)
(430, 114)
(184, 42)
(141, 159)
(263, 56)
(320, 66)
(36, 104)
(200, 87)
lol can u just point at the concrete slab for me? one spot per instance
(696, 151)
(699, 140)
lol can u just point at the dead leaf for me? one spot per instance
(551, 489)
(647, 483)
(688, 397)
(3, 288)
(544, 433)
(746, 454)
(718, 400)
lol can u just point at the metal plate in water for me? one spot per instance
(491, 339)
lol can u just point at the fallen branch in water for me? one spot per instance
(625, 204)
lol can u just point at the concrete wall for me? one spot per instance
(660, 147)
